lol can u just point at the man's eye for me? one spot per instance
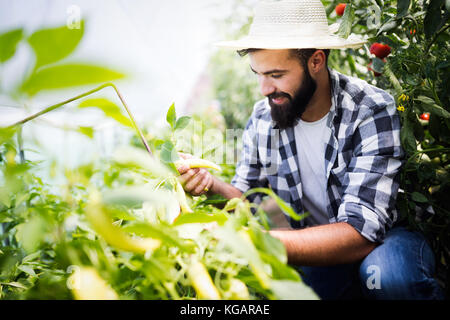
(276, 76)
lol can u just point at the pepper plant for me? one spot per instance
(123, 228)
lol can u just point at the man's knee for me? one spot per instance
(400, 268)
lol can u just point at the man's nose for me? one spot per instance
(266, 86)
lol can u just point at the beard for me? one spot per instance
(287, 114)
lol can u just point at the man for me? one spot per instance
(327, 144)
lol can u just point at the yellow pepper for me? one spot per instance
(202, 282)
(86, 284)
(197, 163)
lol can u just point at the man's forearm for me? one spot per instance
(226, 190)
(329, 244)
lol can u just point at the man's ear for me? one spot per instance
(317, 62)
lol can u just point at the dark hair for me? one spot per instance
(302, 54)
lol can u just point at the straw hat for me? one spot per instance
(292, 24)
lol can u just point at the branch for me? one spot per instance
(56, 106)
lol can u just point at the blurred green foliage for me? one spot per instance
(114, 228)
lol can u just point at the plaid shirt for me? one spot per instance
(362, 158)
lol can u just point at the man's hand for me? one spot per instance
(196, 181)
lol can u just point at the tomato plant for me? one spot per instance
(413, 66)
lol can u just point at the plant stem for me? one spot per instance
(424, 151)
(20, 145)
(56, 106)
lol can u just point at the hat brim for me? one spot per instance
(328, 42)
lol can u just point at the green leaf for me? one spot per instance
(14, 284)
(6, 134)
(280, 202)
(241, 247)
(87, 131)
(418, 197)
(347, 21)
(182, 122)
(32, 233)
(168, 152)
(407, 136)
(280, 269)
(389, 25)
(109, 108)
(157, 143)
(171, 116)
(268, 244)
(67, 75)
(53, 44)
(430, 105)
(378, 65)
(27, 269)
(201, 217)
(402, 7)
(159, 231)
(32, 256)
(8, 43)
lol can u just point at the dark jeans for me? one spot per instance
(400, 268)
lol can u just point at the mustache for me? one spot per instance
(276, 95)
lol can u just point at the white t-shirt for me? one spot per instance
(311, 139)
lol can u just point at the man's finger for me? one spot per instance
(200, 189)
(196, 180)
(183, 178)
(185, 155)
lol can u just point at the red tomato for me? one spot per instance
(340, 9)
(425, 116)
(380, 50)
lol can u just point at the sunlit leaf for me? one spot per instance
(109, 108)
(8, 43)
(87, 131)
(166, 234)
(53, 44)
(171, 116)
(182, 122)
(201, 217)
(6, 134)
(68, 75)
(32, 233)
(168, 152)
